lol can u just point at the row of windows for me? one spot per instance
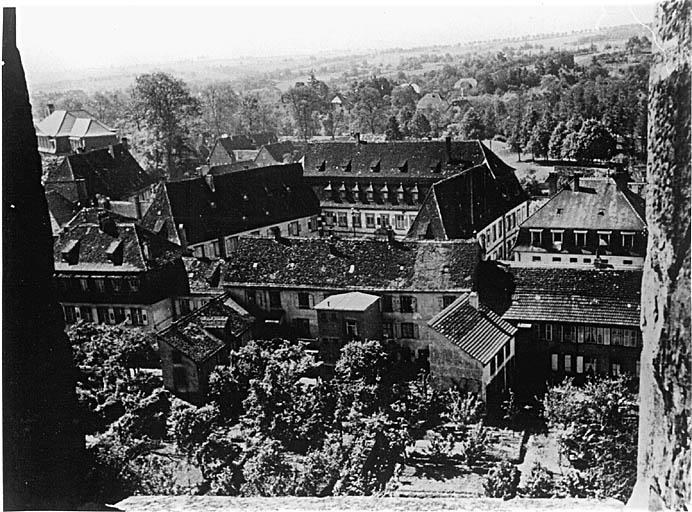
(105, 315)
(258, 298)
(557, 238)
(370, 196)
(99, 284)
(588, 334)
(580, 364)
(574, 259)
(372, 220)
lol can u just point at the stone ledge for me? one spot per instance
(353, 503)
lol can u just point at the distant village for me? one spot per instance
(432, 244)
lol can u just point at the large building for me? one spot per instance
(365, 188)
(575, 322)
(238, 148)
(590, 222)
(70, 131)
(281, 281)
(208, 214)
(109, 269)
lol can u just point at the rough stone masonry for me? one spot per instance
(663, 479)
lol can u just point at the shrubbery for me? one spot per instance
(502, 481)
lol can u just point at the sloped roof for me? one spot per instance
(203, 275)
(352, 264)
(216, 170)
(279, 149)
(72, 123)
(598, 204)
(112, 172)
(60, 208)
(610, 297)
(84, 234)
(240, 201)
(263, 138)
(432, 100)
(351, 301)
(245, 155)
(421, 158)
(481, 333)
(201, 334)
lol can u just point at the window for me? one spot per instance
(580, 364)
(535, 238)
(304, 300)
(589, 334)
(580, 334)
(616, 336)
(84, 283)
(587, 260)
(603, 335)
(100, 283)
(312, 224)
(627, 240)
(500, 358)
(630, 338)
(102, 315)
(568, 363)
(138, 316)
(407, 304)
(399, 221)
(133, 283)
(356, 220)
(408, 330)
(388, 330)
(387, 306)
(351, 328)
(342, 220)
(86, 314)
(557, 332)
(216, 248)
(574, 260)
(569, 333)
(369, 220)
(615, 369)
(274, 299)
(384, 220)
(250, 297)
(70, 316)
(302, 326)
(627, 262)
(549, 332)
(198, 251)
(637, 368)
(447, 300)
(494, 232)
(117, 285)
(557, 237)
(553, 362)
(604, 238)
(590, 365)
(293, 228)
(557, 258)
(492, 367)
(508, 349)
(119, 315)
(580, 238)
(535, 258)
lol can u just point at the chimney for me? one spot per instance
(50, 108)
(138, 207)
(621, 178)
(182, 235)
(575, 185)
(473, 300)
(125, 143)
(107, 223)
(357, 137)
(103, 202)
(448, 147)
(146, 251)
(210, 181)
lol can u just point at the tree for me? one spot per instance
(164, 104)
(392, 131)
(594, 142)
(306, 102)
(471, 125)
(219, 104)
(419, 126)
(557, 139)
(540, 137)
(369, 108)
(598, 425)
(256, 113)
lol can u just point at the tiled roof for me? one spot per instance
(597, 204)
(72, 123)
(351, 301)
(235, 142)
(421, 158)
(449, 210)
(112, 172)
(203, 275)
(60, 208)
(217, 170)
(202, 333)
(610, 297)
(279, 150)
(263, 138)
(480, 333)
(91, 245)
(240, 201)
(352, 264)
(245, 155)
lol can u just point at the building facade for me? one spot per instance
(70, 131)
(110, 270)
(592, 222)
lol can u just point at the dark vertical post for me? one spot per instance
(42, 447)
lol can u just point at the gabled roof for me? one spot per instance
(89, 241)
(432, 100)
(203, 275)
(202, 333)
(279, 149)
(60, 208)
(481, 333)
(72, 123)
(352, 264)
(396, 158)
(245, 155)
(351, 301)
(610, 297)
(597, 204)
(112, 172)
(234, 202)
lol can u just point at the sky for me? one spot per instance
(59, 38)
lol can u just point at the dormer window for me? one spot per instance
(580, 238)
(601, 212)
(415, 193)
(627, 240)
(385, 193)
(346, 166)
(557, 236)
(403, 166)
(436, 167)
(400, 193)
(321, 166)
(370, 193)
(536, 237)
(604, 238)
(559, 211)
(115, 252)
(375, 166)
(70, 253)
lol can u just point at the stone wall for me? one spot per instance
(663, 479)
